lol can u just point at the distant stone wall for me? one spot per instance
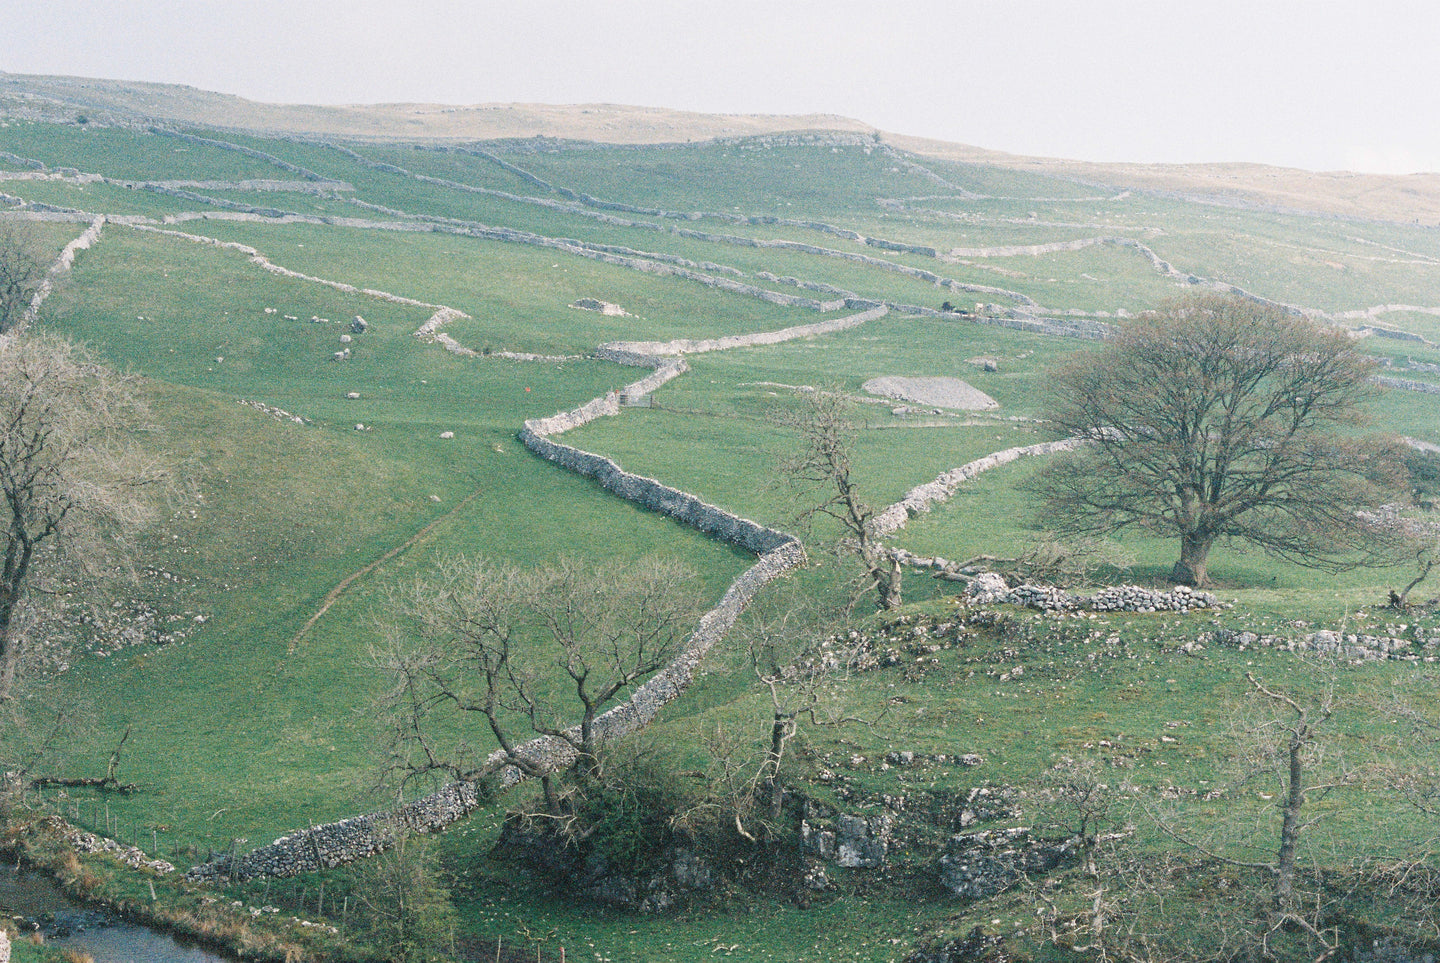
(441, 316)
(655, 496)
(616, 350)
(309, 175)
(1406, 384)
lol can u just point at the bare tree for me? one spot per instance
(1281, 908)
(1079, 804)
(23, 264)
(826, 429)
(544, 650)
(1216, 418)
(802, 661)
(75, 486)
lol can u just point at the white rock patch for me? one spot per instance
(937, 392)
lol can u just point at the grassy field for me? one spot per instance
(251, 727)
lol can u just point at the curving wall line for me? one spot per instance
(329, 845)
(922, 497)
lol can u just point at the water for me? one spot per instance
(70, 924)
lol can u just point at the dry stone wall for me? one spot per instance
(1407, 384)
(922, 497)
(309, 175)
(62, 265)
(320, 847)
(617, 350)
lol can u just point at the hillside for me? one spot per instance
(1403, 198)
(606, 123)
(385, 344)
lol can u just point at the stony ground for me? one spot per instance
(937, 392)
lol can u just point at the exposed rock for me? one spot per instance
(359, 325)
(980, 864)
(975, 947)
(854, 842)
(604, 307)
(861, 842)
(945, 392)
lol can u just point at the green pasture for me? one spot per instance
(132, 154)
(253, 725)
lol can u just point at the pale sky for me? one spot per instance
(1316, 84)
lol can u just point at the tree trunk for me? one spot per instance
(781, 729)
(890, 588)
(9, 660)
(1194, 550)
(1290, 827)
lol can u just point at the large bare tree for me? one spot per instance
(75, 486)
(1220, 418)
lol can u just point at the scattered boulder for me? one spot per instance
(447, 434)
(604, 307)
(854, 842)
(359, 325)
(342, 355)
(346, 339)
(352, 395)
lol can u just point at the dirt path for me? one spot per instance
(334, 594)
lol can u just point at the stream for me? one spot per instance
(106, 937)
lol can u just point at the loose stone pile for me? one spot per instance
(86, 842)
(990, 588)
(1133, 598)
(604, 307)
